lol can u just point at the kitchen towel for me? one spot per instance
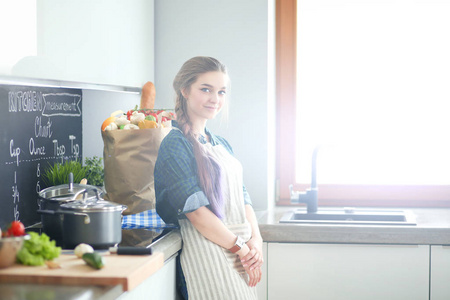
(146, 219)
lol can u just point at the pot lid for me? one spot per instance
(93, 206)
(64, 193)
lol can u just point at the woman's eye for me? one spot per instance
(206, 90)
(222, 92)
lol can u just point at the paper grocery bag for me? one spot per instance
(129, 161)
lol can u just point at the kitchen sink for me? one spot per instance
(350, 216)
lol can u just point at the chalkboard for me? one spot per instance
(39, 126)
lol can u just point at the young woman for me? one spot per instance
(198, 185)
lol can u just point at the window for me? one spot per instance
(372, 91)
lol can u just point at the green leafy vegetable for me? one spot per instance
(37, 250)
(26, 258)
(94, 170)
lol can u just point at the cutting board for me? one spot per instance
(127, 270)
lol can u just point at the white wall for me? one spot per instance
(240, 34)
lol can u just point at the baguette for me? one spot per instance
(148, 96)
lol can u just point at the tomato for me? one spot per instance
(129, 113)
(16, 229)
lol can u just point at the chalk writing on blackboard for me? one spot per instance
(62, 104)
(39, 126)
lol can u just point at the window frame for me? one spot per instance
(329, 194)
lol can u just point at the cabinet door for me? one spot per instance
(98, 42)
(338, 271)
(440, 273)
(161, 285)
(261, 287)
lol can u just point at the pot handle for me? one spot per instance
(85, 192)
(70, 182)
(87, 219)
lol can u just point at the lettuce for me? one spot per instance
(37, 250)
(26, 258)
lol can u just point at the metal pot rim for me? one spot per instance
(62, 194)
(93, 206)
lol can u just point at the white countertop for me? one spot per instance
(433, 228)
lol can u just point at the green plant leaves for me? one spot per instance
(94, 170)
(58, 173)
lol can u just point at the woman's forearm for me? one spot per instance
(210, 226)
(255, 258)
(251, 218)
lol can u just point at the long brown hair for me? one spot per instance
(208, 168)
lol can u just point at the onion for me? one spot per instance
(82, 249)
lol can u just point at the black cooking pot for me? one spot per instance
(51, 199)
(91, 221)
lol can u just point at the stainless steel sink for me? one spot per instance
(351, 216)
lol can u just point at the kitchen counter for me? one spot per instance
(433, 228)
(164, 245)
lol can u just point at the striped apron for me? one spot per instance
(211, 271)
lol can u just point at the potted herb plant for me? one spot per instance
(94, 170)
(58, 173)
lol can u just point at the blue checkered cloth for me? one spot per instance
(148, 219)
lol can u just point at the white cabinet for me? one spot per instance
(440, 273)
(98, 42)
(161, 285)
(261, 287)
(338, 271)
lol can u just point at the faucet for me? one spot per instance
(309, 197)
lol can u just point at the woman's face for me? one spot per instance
(206, 96)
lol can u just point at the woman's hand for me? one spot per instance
(251, 252)
(254, 258)
(254, 276)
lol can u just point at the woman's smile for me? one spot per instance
(212, 107)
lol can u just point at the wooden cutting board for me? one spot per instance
(127, 270)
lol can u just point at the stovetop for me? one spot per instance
(130, 237)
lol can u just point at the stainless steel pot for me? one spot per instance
(51, 199)
(91, 221)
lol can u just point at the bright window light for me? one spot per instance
(374, 91)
